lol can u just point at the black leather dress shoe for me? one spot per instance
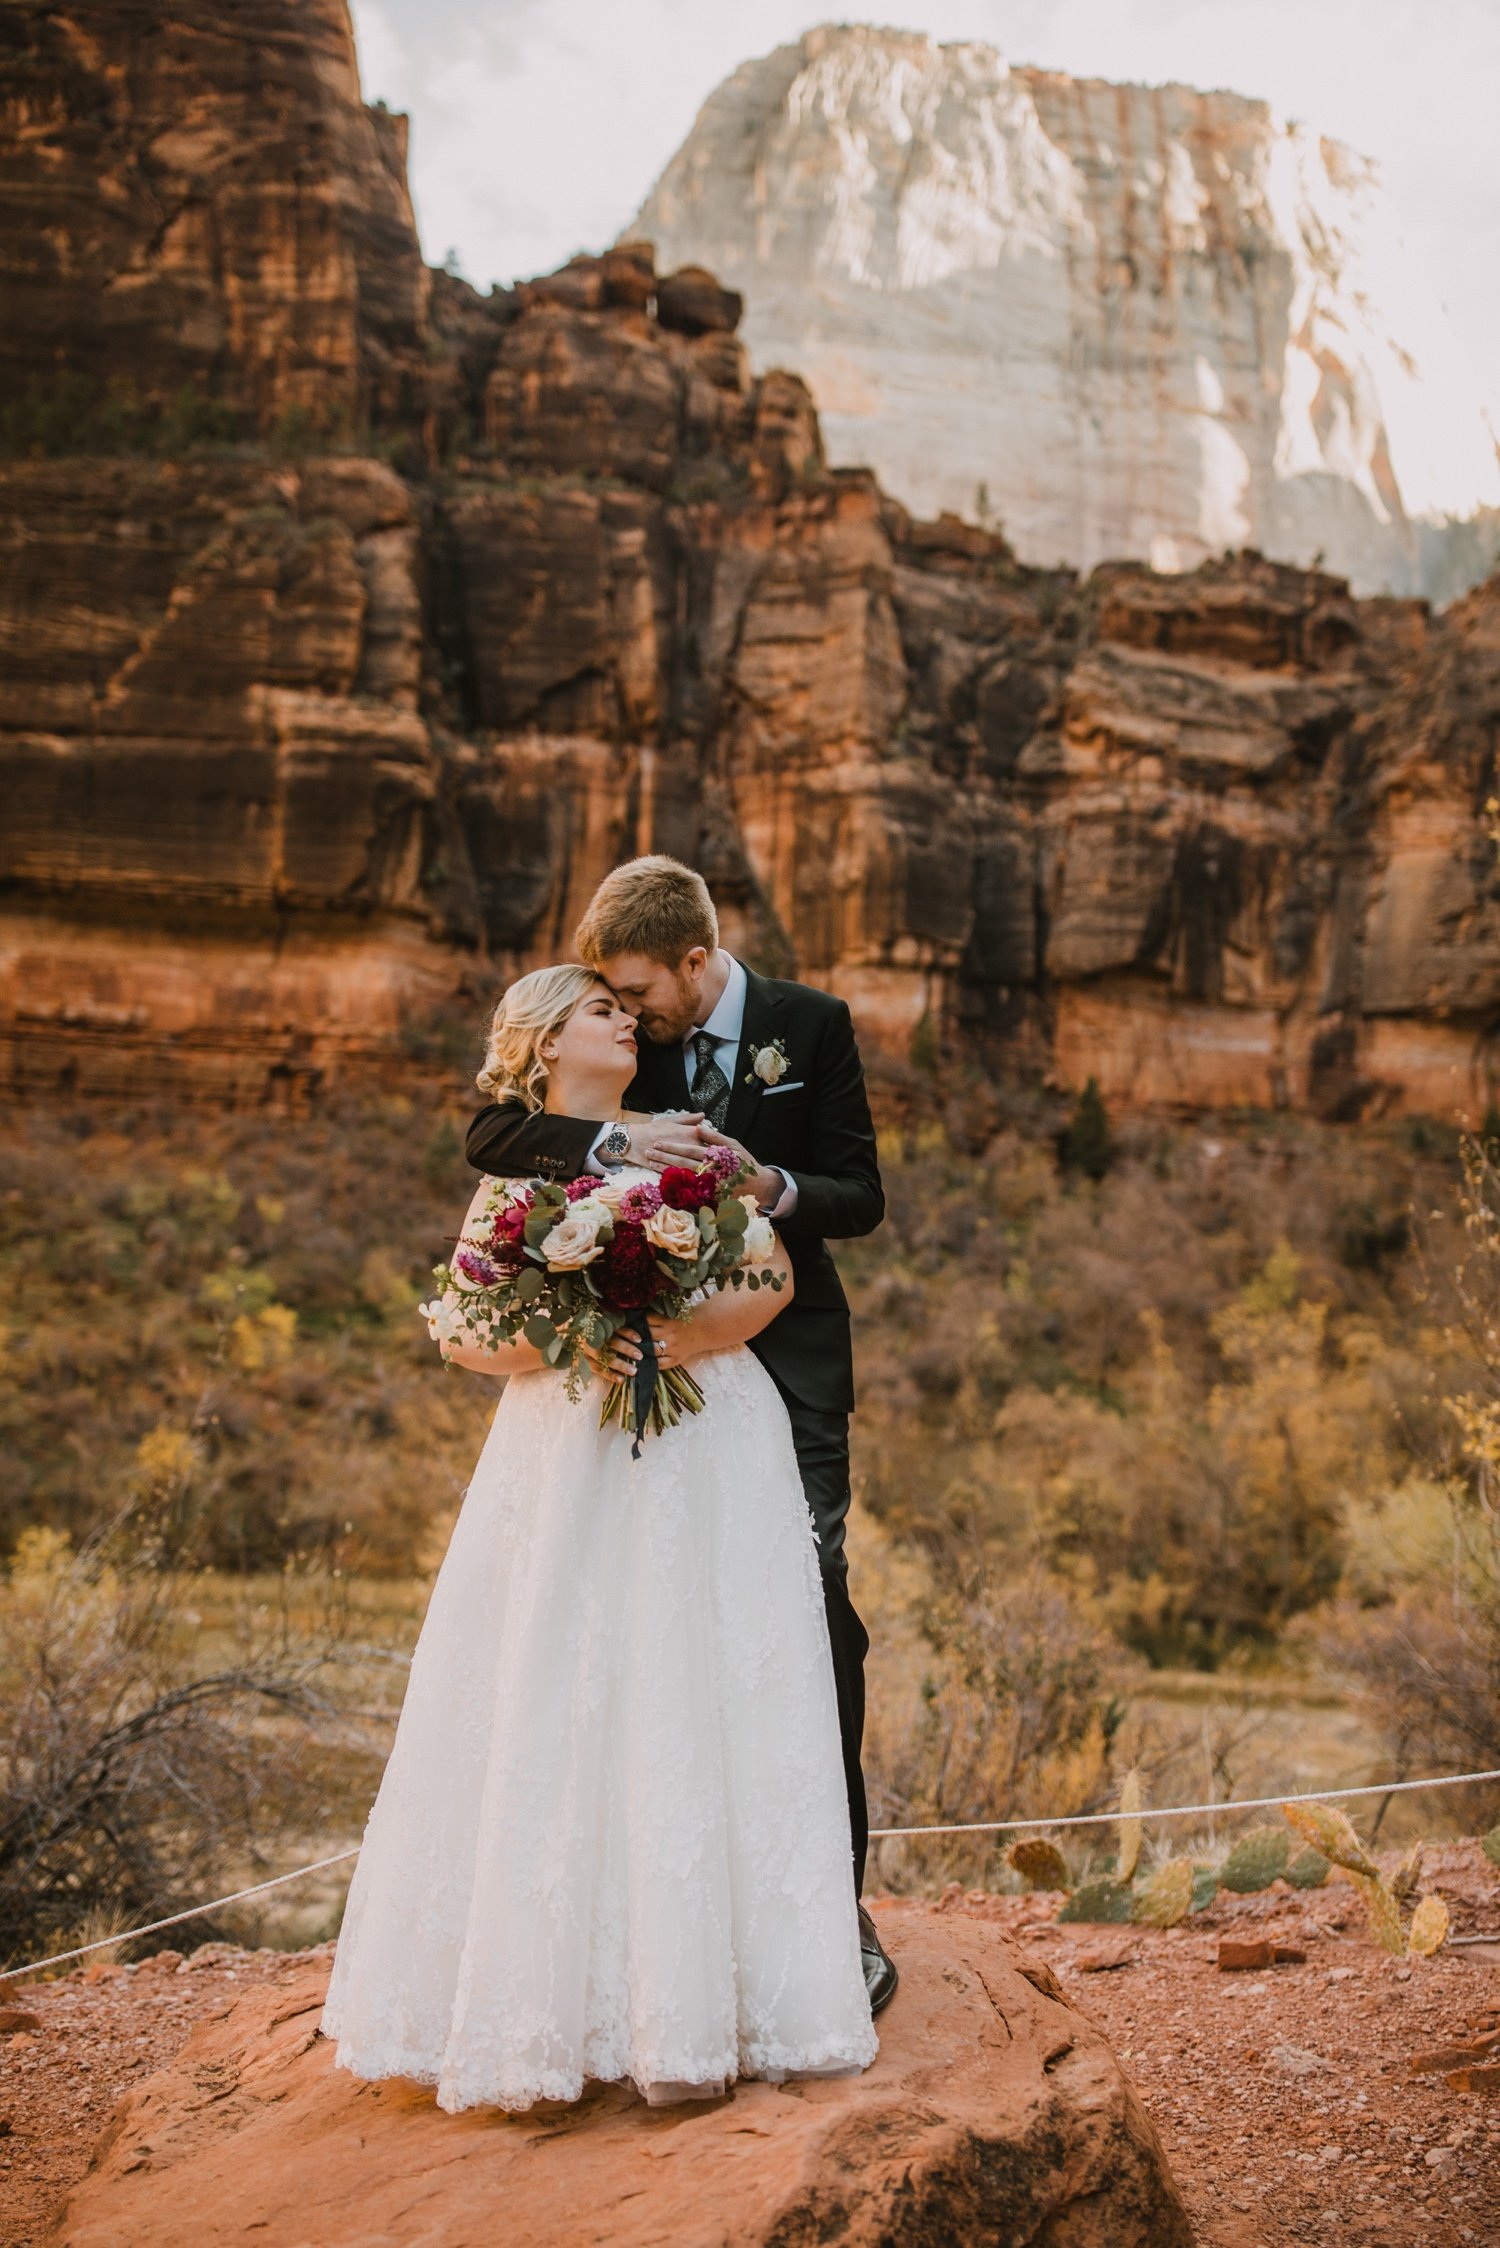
(881, 1977)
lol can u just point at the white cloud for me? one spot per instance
(539, 125)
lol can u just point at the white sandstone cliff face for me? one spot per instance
(1148, 321)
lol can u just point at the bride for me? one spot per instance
(612, 1840)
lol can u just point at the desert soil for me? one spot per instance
(1285, 2097)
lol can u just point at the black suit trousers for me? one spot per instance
(821, 1437)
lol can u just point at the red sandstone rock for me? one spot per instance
(692, 300)
(995, 2111)
(295, 752)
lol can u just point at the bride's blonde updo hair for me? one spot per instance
(532, 1009)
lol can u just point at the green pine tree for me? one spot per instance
(1086, 1145)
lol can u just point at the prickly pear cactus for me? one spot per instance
(1407, 1875)
(1104, 1899)
(1382, 1911)
(1166, 1896)
(1429, 1927)
(1491, 1846)
(1038, 1862)
(1308, 1870)
(1329, 1831)
(1132, 1796)
(1205, 1887)
(1257, 1860)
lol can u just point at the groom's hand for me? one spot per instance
(767, 1186)
(656, 1141)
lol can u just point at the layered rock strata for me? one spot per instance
(1133, 320)
(994, 2112)
(302, 752)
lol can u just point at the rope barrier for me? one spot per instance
(1187, 1810)
(877, 1834)
(174, 1919)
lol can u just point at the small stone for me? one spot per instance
(1239, 1954)
(1102, 1959)
(14, 2018)
(1485, 2078)
(1445, 2057)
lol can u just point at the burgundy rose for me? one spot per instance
(682, 1189)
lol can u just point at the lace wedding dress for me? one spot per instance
(612, 1840)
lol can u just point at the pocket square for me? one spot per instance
(789, 1085)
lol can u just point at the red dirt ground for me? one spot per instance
(1285, 2098)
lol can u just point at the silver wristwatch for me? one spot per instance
(615, 1145)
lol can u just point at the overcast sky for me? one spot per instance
(539, 125)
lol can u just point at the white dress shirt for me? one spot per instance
(726, 1024)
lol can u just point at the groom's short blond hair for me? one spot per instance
(654, 906)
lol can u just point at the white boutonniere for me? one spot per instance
(769, 1063)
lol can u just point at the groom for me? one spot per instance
(771, 1070)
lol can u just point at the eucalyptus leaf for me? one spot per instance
(540, 1331)
(529, 1285)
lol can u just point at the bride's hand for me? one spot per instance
(617, 1360)
(667, 1334)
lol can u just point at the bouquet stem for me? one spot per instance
(675, 1393)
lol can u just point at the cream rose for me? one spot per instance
(574, 1240)
(674, 1231)
(770, 1065)
(760, 1235)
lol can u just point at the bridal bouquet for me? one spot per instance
(565, 1266)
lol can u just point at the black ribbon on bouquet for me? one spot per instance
(645, 1378)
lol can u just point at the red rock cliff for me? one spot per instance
(298, 747)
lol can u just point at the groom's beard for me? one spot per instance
(669, 1027)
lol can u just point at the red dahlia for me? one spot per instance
(627, 1275)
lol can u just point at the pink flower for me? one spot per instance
(641, 1202)
(477, 1268)
(723, 1161)
(577, 1190)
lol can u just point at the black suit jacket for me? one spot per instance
(815, 1125)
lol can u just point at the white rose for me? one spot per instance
(760, 1235)
(674, 1231)
(770, 1066)
(574, 1241)
(613, 1190)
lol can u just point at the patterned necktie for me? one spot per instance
(710, 1085)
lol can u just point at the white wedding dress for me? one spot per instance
(612, 1840)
